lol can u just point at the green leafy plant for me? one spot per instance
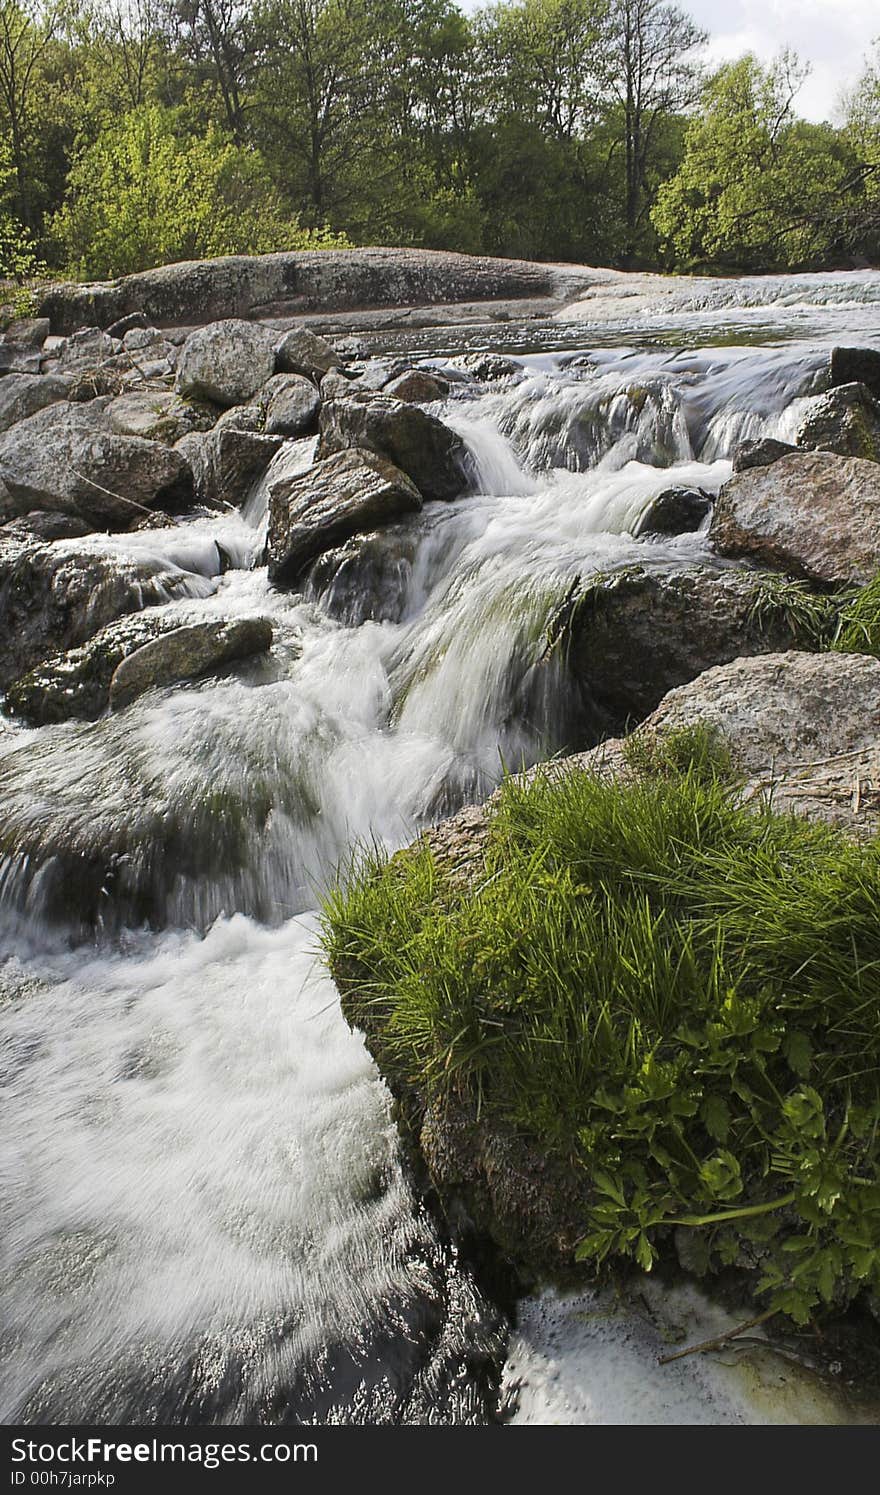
(858, 629)
(675, 997)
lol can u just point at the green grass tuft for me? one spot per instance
(858, 630)
(676, 996)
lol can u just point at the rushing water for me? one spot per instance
(204, 1215)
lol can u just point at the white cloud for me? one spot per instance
(834, 36)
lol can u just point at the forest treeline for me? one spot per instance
(135, 132)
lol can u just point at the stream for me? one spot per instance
(204, 1216)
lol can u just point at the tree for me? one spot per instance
(652, 73)
(26, 33)
(756, 184)
(140, 196)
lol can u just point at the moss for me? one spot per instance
(672, 999)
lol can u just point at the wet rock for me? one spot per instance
(47, 524)
(486, 368)
(303, 352)
(855, 366)
(226, 462)
(291, 404)
(629, 636)
(65, 458)
(349, 493)
(75, 686)
(22, 395)
(226, 362)
(433, 456)
(55, 596)
(815, 515)
(186, 653)
(760, 453)
(367, 579)
(676, 511)
(157, 415)
(845, 421)
(418, 387)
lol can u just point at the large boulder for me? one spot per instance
(55, 596)
(629, 636)
(303, 352)
(66, 458)
(22, 395)
(433, 456)
(48, 524)
(803, 730)
(845, 421)
(226, 462)
(186, 653)
(351, 493)
(226, 362)
(157, 415)
(815, 515)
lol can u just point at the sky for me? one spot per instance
(832, 35)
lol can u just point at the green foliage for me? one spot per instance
(141, 196)
(675, 996)
(700, 750)
(755, 185)
(810, 617)
(858, 630)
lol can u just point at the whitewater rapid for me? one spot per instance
(204, 1213)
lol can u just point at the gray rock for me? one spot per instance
(21, 343)
(86, 349)
(75, 685)
(226, 362)
(65, 458)
(350, 493)
(303, 352)
(418, 387)
(366, 579)
(814, 514)
(762, 453)
(186, 653)
(291, 405)
(250, 417)
(676, 511)
(855, 366)
(22, 395)
(157, 415)
(55, 596)
(845, 421)
(487, 367)
(225, 462)
(135, 319)
(296, 282)
(47, 524)
(433, 456)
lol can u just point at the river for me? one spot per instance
(204, 1214)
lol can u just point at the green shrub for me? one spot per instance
(142, 195)
(676, 996)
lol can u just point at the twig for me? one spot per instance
(720, 1339)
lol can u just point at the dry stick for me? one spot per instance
(720, 1339)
